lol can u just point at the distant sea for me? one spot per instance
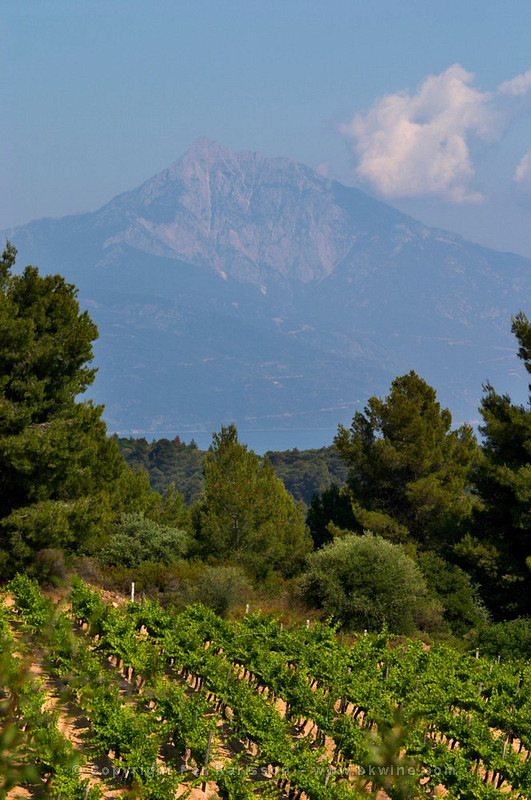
(259, 441)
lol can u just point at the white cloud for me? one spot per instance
(409, 145)
(517, 86)
(522, 174)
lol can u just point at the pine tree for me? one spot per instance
(409, 473)
(503, 525)
(246, 514)
(60, 476)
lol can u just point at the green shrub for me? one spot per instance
(222, 587)
(49, 567)
(365, 582)
(509, 640)
(137, 540)
(150, 579)
(219, 587)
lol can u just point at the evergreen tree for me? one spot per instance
(504, 484)
(409, 473)
(60, 476)
(332, 505)
(246, 515)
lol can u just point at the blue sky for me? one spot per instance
(426, 105)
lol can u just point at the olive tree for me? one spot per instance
(365, 581)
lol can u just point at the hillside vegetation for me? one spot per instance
(406, 525)
(303, 472)
(251, 709)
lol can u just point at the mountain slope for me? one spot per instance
(231, 287)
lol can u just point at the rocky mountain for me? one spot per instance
(232, 287)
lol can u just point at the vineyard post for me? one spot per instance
(133, 592)
(207, 758)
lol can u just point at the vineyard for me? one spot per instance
(170, 704)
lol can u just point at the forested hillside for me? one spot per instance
(167, 461)
(303, 472)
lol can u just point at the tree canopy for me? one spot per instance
(409, 473)
(365, 582)
(136, 540)
(503, 523)
(58, 469)
(246, 514)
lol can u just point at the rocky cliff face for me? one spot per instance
(243, 215)
(232, 287)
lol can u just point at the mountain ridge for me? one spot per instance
(253, 269)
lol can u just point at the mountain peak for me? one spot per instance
(249, 217)
(233, 286)
(205, 149)
(207, 154)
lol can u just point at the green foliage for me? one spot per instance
(50, 567)
(463, 609)
(61, 479)
(333, 505)
(46, 345)
(522, 330)
(503, 480)
(167, 462)
(151, 579)
(365, 582)
(305, 472)
(510, 640)
(33, 752)
(221, 588)
(407, 464)
(402, 720)
(379, 523)
(136, 540)
(29, 600)
(173, 511)
(246, 514)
